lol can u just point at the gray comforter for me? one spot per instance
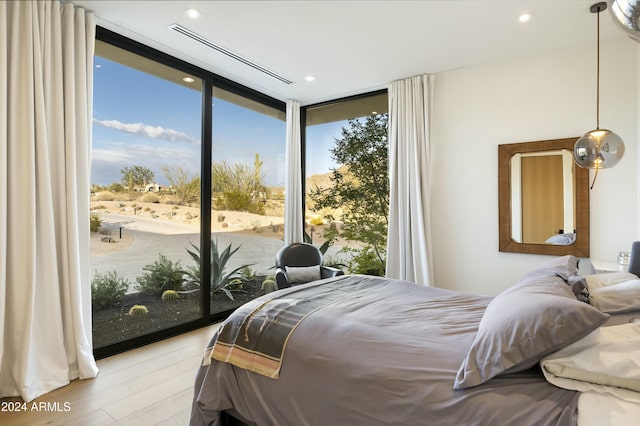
(383, 357)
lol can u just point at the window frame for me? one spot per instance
(210, 81)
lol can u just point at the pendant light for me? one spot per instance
(598, 148)
(626, 14)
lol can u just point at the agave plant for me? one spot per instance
(220, 279)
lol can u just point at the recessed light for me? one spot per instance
(192, 13)
(310, 78)
(525, 17)
(188, 79)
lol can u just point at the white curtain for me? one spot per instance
(293, 173)
(46, 81)
(409, 235)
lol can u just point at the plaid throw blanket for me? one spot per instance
(255, 336)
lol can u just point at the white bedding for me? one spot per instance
(605, 366)
(599, 409)
(606, 361)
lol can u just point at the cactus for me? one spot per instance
(169, 295)
(268, 286)
(138, 310)
(235, 284)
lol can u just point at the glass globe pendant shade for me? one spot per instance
(626, 14)
(598, 149)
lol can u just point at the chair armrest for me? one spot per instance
(328, 272)
(281, 278)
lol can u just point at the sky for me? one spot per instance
(143, 120)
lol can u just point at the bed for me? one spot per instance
(362, 350)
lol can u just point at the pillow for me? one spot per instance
(302, 274)
(562, 239)
(523, 324)
(563, 266)
(617, 298)
(608, 278)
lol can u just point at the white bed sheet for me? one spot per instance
(599, 409)
(605, 367)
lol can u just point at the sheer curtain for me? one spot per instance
(409, 235)
(293, 173)
(46, 81)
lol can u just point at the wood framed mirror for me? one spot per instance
(543, 199)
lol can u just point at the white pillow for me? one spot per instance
(616, 298)
(302, 274)
(608, 278)
(562, 239)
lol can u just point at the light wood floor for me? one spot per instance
(152, 385)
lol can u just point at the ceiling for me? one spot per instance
(350, 47)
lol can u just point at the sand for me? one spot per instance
(160, 218)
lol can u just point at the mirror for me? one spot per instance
(543, 199)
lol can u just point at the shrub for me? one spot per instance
(107, 289)
(316, 219)
(366, 261)
(138, 310)
(170, 295)
(104, 196)
(94, 223)
(116, 187)
(150, 198)
(161, 275)
(242, 202)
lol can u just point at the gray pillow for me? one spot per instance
(302, 274)
(563, 266)
(523, 324)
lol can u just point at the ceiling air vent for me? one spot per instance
(184, 31)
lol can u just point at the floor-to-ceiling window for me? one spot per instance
(248, 154)
(164, 133)
(346, 181)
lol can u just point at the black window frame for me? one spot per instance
(210, 81)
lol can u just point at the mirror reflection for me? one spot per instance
(544, 199)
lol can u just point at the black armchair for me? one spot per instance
(298, 263)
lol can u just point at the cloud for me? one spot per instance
(121, 153)
(155, 132)
(108, 160)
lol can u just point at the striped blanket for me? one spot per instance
(255, 336)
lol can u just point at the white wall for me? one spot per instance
(544, 97)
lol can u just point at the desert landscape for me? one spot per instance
(125, 217)
(136, 228)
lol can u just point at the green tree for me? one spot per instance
(185, 185)
(136, 176)
(360, 187)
